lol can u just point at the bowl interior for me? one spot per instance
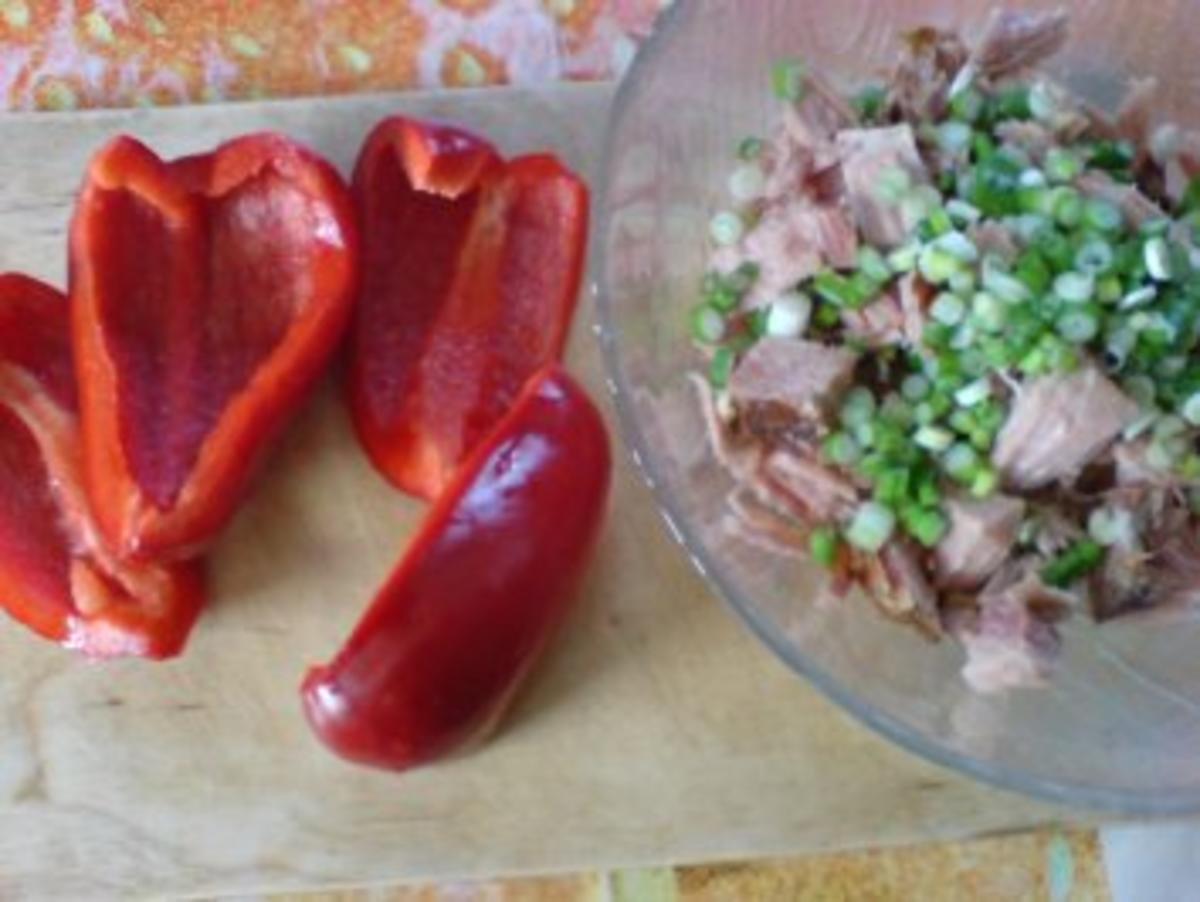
(1119, 726)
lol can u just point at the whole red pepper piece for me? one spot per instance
(208, 294)
(56, 576)
(472, 269)
(447, 641)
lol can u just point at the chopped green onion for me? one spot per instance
(918, 203)
(925, 525)
(954, 138)
(872, 263)
(789, 80)
(1042, 102)
(1112, 155)
(915, 387)
(1102, 215)
(1075, 287)
(967, 105)
(1189, 469)
(789, 316)
(983, 148)
(985, 482)
(1067, 207)
(1074, 563)
(1191, 409)
(864, 434)
(1141, 389)
(743, 278)
(708, 325)
(858, 407)
(1028, 226)
(960, 461)
(872, 526)
(990, 313)
(1139, 297)
(948, 309)
(721, 368)
(963, 283)
(1078, 326)
(834, 288)
(1094, 257)
(750, 149)
(937, 265)
(1032, 178)
(826, 316)
(1155, 227)
(1158, 259)
(757, 321)
(842, 449)
(1109, 290)
(1006, 287)
(957, 245)
(864, 289)
(1169, 427)
(1012, 103)
(823, 546)
(1032, 272)
(904, 259)
(1035, 200)
(895, 409)
(962, 212)
(726, 228)
(1170, 367)
(974, 393)
(940, 222)
(1110, 525)
(747, 182)
(934, 438)
(1062, 165)
(892, 486)
(1190, 202)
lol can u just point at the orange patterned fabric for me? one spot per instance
(67, 54)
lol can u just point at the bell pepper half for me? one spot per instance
(56, 575)
(207, 296)
(446, 643)
(471, 271)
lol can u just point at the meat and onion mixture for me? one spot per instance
(951, 324)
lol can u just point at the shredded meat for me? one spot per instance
(1014, 41)
(803, 375)
(866, 155)
(1057, 425)
(921, 82)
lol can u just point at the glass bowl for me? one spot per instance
(1118, 726)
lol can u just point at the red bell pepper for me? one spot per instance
(207, 296)
(471, 272)
(56, 576)
(447, 641)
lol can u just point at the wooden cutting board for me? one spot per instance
(658, 732)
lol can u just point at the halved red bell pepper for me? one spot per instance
(449, 638)
(207, 295)
(472, 269)
(56, 576)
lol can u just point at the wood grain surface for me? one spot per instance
(658, 732)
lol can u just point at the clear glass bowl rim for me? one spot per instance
(1164, 802)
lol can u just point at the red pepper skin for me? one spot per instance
(472, 268)
(462, 620)
(56, 576)
(207, 296)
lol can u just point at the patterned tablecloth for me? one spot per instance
(66, 54)
(69, 54)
